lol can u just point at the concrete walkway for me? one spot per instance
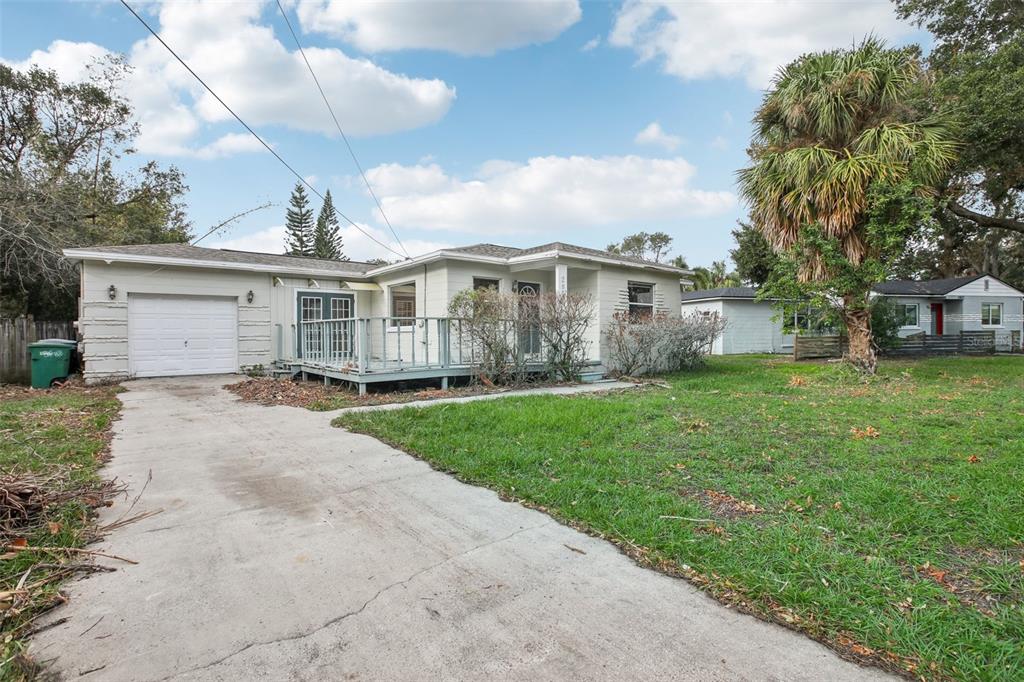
(288, 549)
(571, 389)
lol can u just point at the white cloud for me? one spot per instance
(727, 117)
(228, 145)
(260, 78)
(654, 134)
(357, 245)
(591, 44)
(551, 193)
(719, 142)
(466, 28)
(750, 39)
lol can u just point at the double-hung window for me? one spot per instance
(403, 305)
(991, 314)
(641, 301)
(907, 313)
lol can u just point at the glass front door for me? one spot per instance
(529, 338)
(314, 306)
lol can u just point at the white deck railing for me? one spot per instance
(381, 344)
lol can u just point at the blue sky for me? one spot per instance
(513, 123)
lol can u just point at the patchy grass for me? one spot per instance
(884, 517)
(52, 444)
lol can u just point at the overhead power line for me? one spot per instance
(344, 137)
(251, 131)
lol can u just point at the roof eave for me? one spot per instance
(78, 255)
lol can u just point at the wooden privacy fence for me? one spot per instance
(15, 336)
(964, 343)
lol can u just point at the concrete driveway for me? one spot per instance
(289, 549)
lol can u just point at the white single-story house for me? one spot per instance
(751, 326)
(955, 304)
(938, 307)
(175, 309)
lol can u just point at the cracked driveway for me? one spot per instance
(288, 549)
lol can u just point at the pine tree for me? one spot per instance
(327, 234)
(298, 224)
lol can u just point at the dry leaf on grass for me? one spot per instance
(867, 432)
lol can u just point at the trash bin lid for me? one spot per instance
(54, 343)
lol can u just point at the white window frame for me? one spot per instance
(989, 324)
(917, 315)
(630, 304)
(395, 324)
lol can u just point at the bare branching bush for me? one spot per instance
(492, 325)
(563, 320)
(661, 343)
(511, 335)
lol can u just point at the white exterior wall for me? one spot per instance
(751, 326)
(717, 348)
(613, 296)
(103, 323)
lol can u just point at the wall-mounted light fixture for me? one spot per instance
(249, 296)
(112, 292)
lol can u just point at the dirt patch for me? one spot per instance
(316, 396)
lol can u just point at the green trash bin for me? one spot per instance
(51, 361)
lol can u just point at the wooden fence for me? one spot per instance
(15, 335)
(964, 343)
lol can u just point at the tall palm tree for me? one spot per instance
(830, 127)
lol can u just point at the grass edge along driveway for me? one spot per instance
(883, 517)
(52, 445)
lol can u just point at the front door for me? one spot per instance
(529, 339)
(937, 318)
(315, 306)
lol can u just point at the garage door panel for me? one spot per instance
(178, 335)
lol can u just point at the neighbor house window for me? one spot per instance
(641, 301)
(485, 283)
(991, 314)
(403, 304)
(907, 313)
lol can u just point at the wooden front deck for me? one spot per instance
(372, 350)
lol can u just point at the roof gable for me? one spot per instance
(971, 285)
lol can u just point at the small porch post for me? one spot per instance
(561, 279)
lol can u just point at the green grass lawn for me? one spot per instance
(883, 517)
(55, 439)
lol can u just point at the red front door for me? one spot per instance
(937, 317)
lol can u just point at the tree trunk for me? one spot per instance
(861, 353)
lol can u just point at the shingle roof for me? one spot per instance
(722, 292)
(931, 287)
(499, 251)
(200, 253)
(495, 250)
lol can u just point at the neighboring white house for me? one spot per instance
(175, 309)
(940, 306)
(751, 326)
(949, 306)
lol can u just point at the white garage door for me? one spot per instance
(174, 335)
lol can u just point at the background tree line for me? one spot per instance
(62, 184)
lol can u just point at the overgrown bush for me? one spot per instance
(563, 320)
(493, 324)
(507, 333)
(661, 343)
